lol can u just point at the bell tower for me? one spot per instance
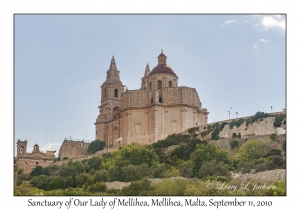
(144, 79)
(111, 100)
(21, 147)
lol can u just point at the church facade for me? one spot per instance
(29, 161)
(159, 108)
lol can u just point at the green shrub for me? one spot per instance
(222, 125)
(278, 120)
(171, 140)
(169, 187)
(274, 152)
(259, 115)
(254, 149)
(215, 134)
(236, 123)
(234, 136)
(186, 171)
(279, 189)
(132, 173)
(95, 146)
(204, 134)
(249, 121)
(100, 175)
(172, 172)
(216, 126)
(98, 187)
(234, 144)
(21, 171)
(268, 165)
(279, 161)
(159, 170)
(137, 187)
(19, 182)
(83, 178)
(213, 168)
(208, 152)
(134, 154)
(115, 173)
(192, 130)
(36, 171)
(245, 166)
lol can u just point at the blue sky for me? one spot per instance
(61, 61)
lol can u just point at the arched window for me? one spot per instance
(160, 100)
(116, 112)
(116, 93)
(151, 100)
(104, 93)
(170, 83)
(150, 85)
(159, 85)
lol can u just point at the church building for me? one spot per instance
(159, 108)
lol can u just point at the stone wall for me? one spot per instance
(29, 164)
(72, 149)
(259, 128)
(86, 156)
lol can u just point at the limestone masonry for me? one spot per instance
(28, 161)
(159, 108)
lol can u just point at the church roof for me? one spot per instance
(162, 68)
(161, 54)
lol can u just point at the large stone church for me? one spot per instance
(159, 108)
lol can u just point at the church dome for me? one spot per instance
(162, 68)
(162, 65)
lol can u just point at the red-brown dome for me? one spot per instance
(162, 68)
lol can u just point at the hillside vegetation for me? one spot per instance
(198, 161)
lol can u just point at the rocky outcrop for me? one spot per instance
(272, 175)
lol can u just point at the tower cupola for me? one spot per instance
(162, 59)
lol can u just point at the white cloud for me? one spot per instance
(50, 147)
(228, 22)
(264, 41)
(271, 21)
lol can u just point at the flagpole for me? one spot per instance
(46, 141)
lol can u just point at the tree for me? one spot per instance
(95, 146)
(209, 152)
(134, 154)
(36, 171)
(100, 175)
(82, 179)
(212, 168)
(254, 149)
